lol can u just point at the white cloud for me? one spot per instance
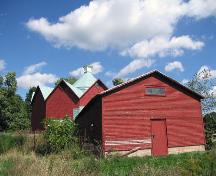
(174, 65)
(206, 72)
(32, 77)
(96, 68)
(184, 81)
(201, 8)
(119, 23)
(2, 64)
(135, 65)
(110, 74)
(35, 79)
(33, 68)
(161, 46)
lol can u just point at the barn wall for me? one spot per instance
(127, 114)
(91, 116)
(38, 111)
(91, 92)
(61, 102)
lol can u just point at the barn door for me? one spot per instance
(159, 137)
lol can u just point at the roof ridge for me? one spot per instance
(146, 74)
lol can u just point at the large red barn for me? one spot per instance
(149, 115)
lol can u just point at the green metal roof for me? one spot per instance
(77, 91)
(85, 82)
(46, 91)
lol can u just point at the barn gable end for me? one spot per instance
(128, 113)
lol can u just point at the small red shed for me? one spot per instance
(149, 115)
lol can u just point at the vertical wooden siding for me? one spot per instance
(127, 114)
(91, 116)
(91, 92)
(61, 102)
(38, 111)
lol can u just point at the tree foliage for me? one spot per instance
(71, 80)
(13, 111)
(59, 134)
(210, 129)
(203, 83)
(117, 81)
(28, 100)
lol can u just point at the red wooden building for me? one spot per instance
(150, 115)
(65, 99)
(39, 107)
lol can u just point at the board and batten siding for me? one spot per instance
(127, 114)
(96, 88)
(38, 111)
(61, 102)
(90, 124)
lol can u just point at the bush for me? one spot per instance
(8, 141)
(210, 129)
(59, 134)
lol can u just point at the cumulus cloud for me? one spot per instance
(174, 65)
(201, 8)
(32, 77)
(205, 72)
(184, 81)
(135, 65)
(96, 68)
(2, 64)
(161, 46)
(138, 28)
(33, 68)
(119, 23)
(35, 79)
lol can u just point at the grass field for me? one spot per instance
(21, 160)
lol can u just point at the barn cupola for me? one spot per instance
(86, 80)
(88, 68)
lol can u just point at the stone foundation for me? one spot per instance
(177, 150)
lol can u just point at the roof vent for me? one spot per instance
(88, 68)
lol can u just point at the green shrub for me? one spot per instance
(210, 129)
(8, 141)
(59, 134)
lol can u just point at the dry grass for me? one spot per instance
(29, 164)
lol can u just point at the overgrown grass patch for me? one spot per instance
(8, 141)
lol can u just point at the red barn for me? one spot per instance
(66, 99)
(149, 115)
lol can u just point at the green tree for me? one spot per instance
(117, 81)
(10, 82)
(13, 111)
(28, 100)
(210, 129)
(71, 80)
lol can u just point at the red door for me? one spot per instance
(159, 137)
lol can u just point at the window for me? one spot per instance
(155, 91)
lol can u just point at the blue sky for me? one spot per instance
(120, 38)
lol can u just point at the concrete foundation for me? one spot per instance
(147, 152)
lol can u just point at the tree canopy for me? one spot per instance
(71, 80)
(13, 110)
(203, 83)
(117, 81)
